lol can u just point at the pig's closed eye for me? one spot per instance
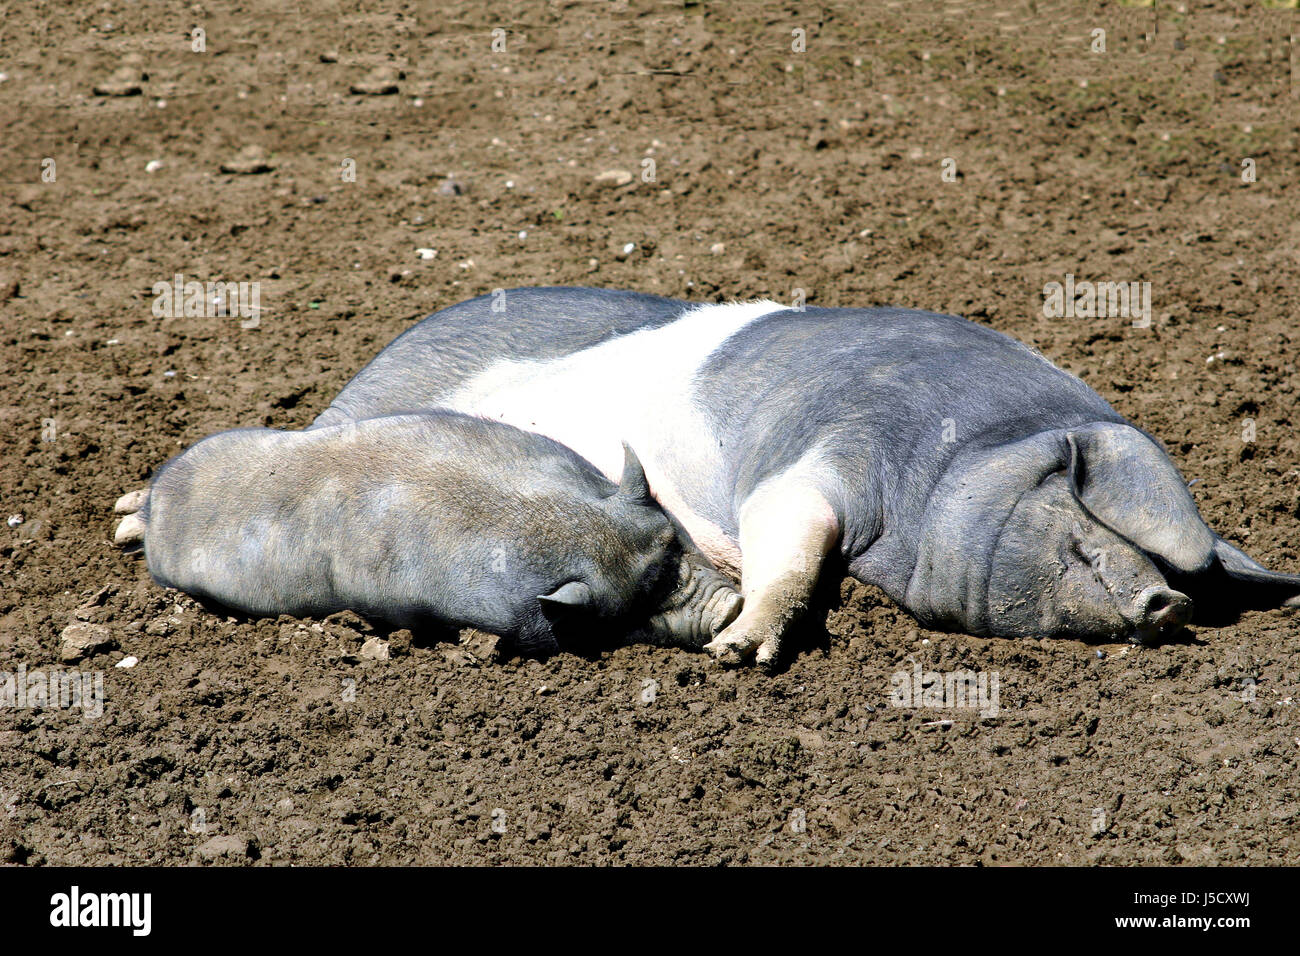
(1094, 559)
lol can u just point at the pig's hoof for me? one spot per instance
(767, 654)
(129, 531)
(728, 652)
(131, 502)
(736, 643)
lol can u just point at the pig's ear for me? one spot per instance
(633, 485)
(1274, 586)
(1129, 484)
(573, 594)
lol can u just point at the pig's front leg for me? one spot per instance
(787, 528)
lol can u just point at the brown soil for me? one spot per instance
(235, 741)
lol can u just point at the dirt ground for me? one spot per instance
(954, 157)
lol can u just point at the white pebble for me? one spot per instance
(127, 662)
(523, 233)
(628, 248)
(426, 253)
(153, 166)
(15, 520)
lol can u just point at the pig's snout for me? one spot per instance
(702, 604)
(720, 609)
(1159, 612)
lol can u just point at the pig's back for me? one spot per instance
(309, 522)
(884, 384)
(422, 367)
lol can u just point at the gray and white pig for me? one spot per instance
(980, 486)
(425, 517)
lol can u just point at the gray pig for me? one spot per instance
(425, 517)
(977, 484)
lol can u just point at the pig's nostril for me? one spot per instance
(1156, 603)
(1161, 611)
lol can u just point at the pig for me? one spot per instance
(978, 485)
(435, 517)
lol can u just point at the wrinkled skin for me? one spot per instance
(415, 519)
(700, 603)
(1057, 571)
(1068, 533)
